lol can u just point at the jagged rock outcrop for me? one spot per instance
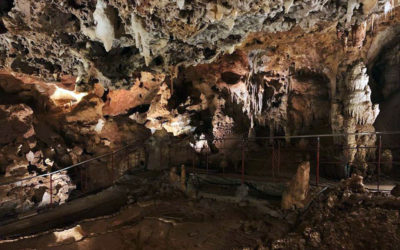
(22, 157)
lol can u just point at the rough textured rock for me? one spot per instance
(22, 157)
(15, 123)
(79, 37)
(346, 208)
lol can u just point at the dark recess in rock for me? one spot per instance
(230, 77)
(6, 6)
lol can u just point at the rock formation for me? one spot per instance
(297, 189)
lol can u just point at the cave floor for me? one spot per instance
(162, 220)
(31, 222)
(178, 224)
(157, 216)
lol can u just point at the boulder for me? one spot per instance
(354, 184)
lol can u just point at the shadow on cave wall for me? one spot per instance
(385, 85)
(384, 74)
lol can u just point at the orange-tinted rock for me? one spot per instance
(142, 92)
(89, 110)
(98, 90)
(67, 82)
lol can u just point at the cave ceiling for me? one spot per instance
(169, 64)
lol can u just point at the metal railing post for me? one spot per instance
(112, 168)
(193, 154)
(81, 175)
(279, 157)
(379, 161)
(161, 156)
(87, 172)
(317, 169)
(207, 161)
(242, 174)
(346, 162)
(169, 156)
(273, 159)
(127, 159)
(51, 189)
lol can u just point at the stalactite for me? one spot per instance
(388, 7)
(142, 38)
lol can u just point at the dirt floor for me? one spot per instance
(165, 220)
(160, 216)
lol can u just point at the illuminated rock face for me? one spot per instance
(355, 112)
(357, 102)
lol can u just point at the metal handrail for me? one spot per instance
(305, 136)
(72, 166)
(226, 138)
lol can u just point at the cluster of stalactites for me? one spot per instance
(357, 102)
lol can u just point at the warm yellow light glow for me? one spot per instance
(67, 95)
